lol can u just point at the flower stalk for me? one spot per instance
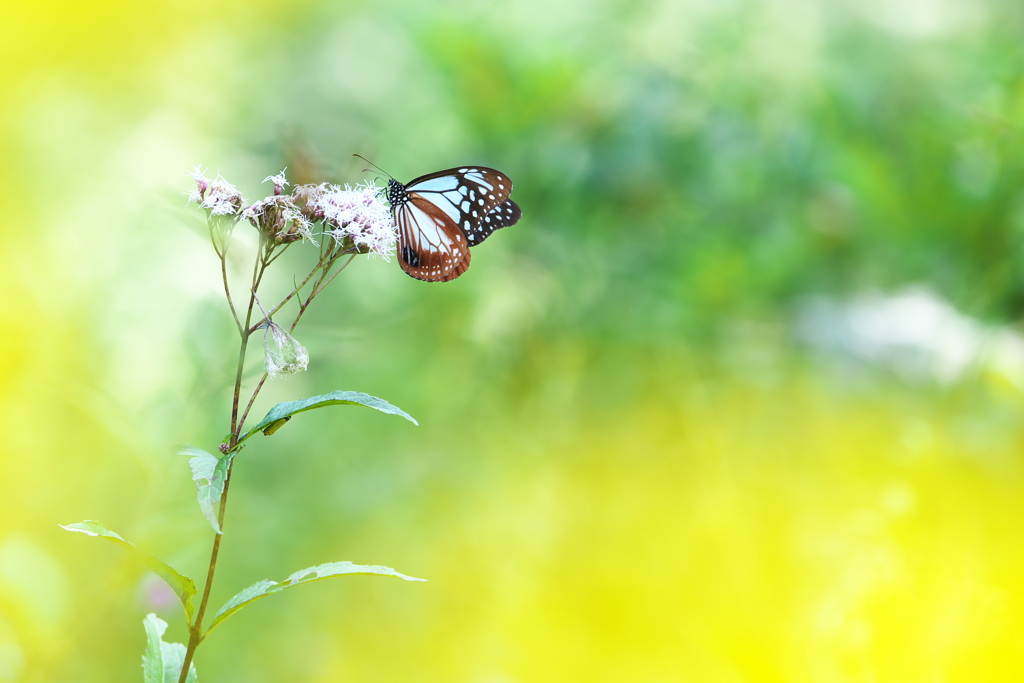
(342, 223)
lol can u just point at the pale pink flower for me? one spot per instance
(279, 181)
(357, 215)
(217, 196)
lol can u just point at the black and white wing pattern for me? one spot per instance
(441, 215)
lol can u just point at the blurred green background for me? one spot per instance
(739, 399)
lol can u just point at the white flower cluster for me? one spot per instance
(217, 196)
(280, 182)
(355, 218)
(357, 214)
(352, 216)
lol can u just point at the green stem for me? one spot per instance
(222, 253)
(195, 636)
(320, 287)
(196, 627)
(321, 267)
(246, 331)
(320, 284)
(252, 399)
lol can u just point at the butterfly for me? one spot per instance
(441, 215)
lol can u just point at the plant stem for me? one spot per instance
(222, 253)
(252, 399)
(196, 627)
(323, 277)
(320, 287)
(320, 284)
(323, 265)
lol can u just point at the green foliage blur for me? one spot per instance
(633, 461)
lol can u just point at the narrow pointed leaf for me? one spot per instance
(162, 661)
(182, 586)
(335, 398)
(321, 571)
(209, 473)
(153, 657)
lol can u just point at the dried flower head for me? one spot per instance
(283, 354)
(279, 219)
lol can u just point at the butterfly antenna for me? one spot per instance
(373, 164)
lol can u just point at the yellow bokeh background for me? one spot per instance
(634, 461)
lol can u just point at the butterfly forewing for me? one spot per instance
(440, 215)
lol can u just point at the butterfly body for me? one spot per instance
(441, 215)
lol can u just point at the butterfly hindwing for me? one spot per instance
(440, 215)
(503, 215)
(430, 246)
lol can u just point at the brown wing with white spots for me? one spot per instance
(440, 215)
(430, 246)
(503, 215)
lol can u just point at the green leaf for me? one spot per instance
(162, 661)
(182, 586)
(322, 571)
(209, 473)
(335, 398)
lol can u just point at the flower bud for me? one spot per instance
(279, 182)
